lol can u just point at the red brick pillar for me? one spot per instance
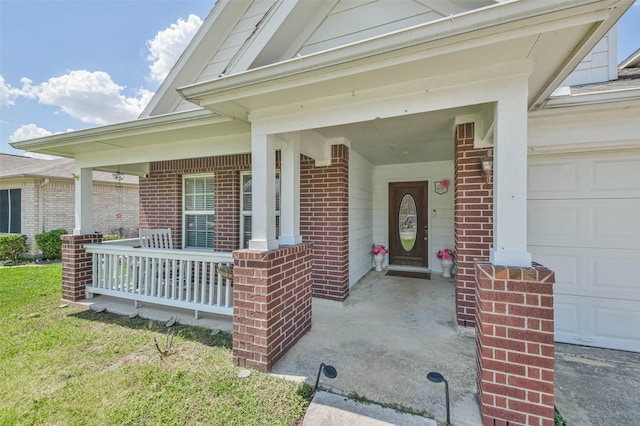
(514, 338)
(324, 221)
(271, 303)
(473, 220)
(77, 265)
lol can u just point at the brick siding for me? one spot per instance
(473, 220)
(324, 209)
(77, 265)
(271, 303)
(52, 206)
(161, 196)
(324, 221)
(514, 338)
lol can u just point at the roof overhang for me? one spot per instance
(143, 134)
(553, 35)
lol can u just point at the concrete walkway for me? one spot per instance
(330, 409)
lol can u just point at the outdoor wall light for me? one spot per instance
(437, 378)
(486, 167)
(328, 370)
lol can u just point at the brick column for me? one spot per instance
(271, 303)
(473, 220)
(76, 265)
(514, 338)
(324, 221)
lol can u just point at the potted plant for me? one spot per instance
(446, 257)
(378, 251)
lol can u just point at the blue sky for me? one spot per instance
(71, 65)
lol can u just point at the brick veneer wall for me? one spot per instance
(56, 201)
(324, 221)
(161, 196)
(324, 209)
(514, 337)
(473, 220)
(271, 303)
(77, 265)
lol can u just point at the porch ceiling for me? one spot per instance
(414, 138)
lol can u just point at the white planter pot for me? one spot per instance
(447, 264)
(378, 259)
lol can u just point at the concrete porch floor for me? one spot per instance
(384, 340)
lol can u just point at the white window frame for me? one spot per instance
(243, 213)
(186, 212)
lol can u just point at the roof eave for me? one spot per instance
(224, 88)
(47, 144)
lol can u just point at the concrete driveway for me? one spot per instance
(597, 386)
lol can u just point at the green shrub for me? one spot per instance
(13, 247)
(50, 243)
(111, 237)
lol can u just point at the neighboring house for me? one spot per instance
(297, 133)
(39, 195)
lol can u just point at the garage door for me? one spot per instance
(584, 224)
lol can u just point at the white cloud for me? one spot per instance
(28, 131)
(167, 46)
(91, 97)
(7, 93)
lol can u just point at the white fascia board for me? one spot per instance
(602, 97)
(465, 26)
(119, 130)
(212, 33)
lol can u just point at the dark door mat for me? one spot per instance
(409, 274)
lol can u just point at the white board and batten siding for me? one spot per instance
(584, 224)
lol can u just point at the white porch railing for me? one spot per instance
(180, 278)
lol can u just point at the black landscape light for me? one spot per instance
(437, 378)
(328, 371)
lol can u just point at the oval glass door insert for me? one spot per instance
(408, 222)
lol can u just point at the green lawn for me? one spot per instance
(69, 366)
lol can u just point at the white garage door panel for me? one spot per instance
(565, 311)
(604, 323)
(584, 224)
(612, 174)
(610, 223)
(586, 176)
(609, 274)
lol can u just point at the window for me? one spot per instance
(246, 209)
(198, 206)
(10, 203)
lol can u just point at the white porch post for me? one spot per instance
(290, 195)
(510, 180)
(84, 201)
(263, 198)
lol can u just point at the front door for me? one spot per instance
(408, 223)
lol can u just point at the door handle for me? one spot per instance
(425, 234)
